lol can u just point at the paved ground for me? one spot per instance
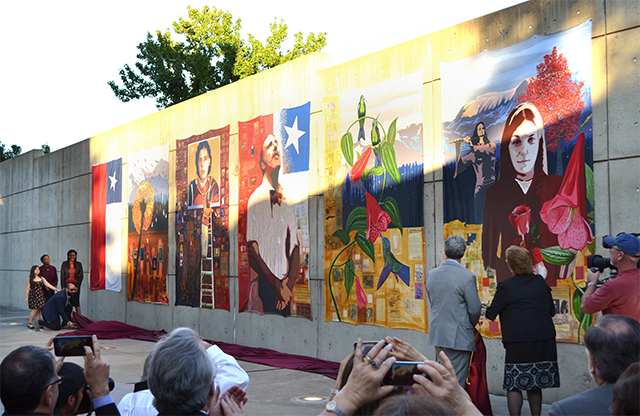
(272, 391)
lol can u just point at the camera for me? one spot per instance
(596, 261)
(86, 405)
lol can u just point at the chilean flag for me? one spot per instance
(106, 225)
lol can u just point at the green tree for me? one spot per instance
(212, 55)
(8, 154)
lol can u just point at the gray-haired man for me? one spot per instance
(455, 308)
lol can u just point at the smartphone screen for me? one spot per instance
(65, 346)
(401, 374)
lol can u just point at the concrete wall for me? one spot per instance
(45, 199)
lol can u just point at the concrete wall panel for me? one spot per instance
(623, 87)
(624, 191)
(599, 120)
(104, 305)
(622, 14)
(75, 201)
(602, 213)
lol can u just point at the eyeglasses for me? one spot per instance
(58, 381)
(616, 248)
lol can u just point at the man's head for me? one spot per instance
(454, 247)
(624, 249)
(71, 388)
(181, 374)
(71, 288)
(45, 259)
(613, 343)
(626, 392)
(203, 159)
(270, 155)
(29, 382)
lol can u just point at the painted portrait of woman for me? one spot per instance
(513, 203)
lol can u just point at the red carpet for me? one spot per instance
(119, 330)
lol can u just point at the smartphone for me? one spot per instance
(401, 374)
(66, 346)
(366, 346)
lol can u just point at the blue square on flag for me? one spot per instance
(114, 181)
(294, 130)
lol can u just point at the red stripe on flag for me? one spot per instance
(98, 234)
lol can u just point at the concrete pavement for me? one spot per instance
(271, 391)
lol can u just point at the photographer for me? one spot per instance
(620, 295)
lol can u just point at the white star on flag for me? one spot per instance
(113, 181)
(294, 135)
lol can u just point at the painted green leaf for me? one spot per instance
(378, 170)
(557, 256)
(349, 275)
(346, 144)
(577, 300)
(388, 154)
(592, 246)
(343, 236)
(586, 322)
(357, 220)
(391, 134)
(391, 208)
(366, 245)
(588, 173)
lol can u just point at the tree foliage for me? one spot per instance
(6, 153)
(212, 55)
(558, 98)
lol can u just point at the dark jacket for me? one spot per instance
(64, 274)
(54, 308)
(526, 307)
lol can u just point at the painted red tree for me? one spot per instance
(558, 98)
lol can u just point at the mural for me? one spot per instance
(202, 220)
(518, 157)
(273, 230)
(148, 225)
(106, 234)
(374, 235)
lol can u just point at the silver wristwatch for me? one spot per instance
(332, 406)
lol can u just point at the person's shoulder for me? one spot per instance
(590, 402)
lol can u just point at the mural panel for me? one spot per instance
(518, 150)
(374, 234)
(148, 225)
(202, 220)
(273, 239)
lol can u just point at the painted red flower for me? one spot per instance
(361, 163)
(520, 218)
(566, 214)
(362, 297)
(377, 219)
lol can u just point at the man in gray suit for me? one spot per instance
(613, 344)
(455, 308)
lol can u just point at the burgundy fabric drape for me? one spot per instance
(477, 381)
(119, 330)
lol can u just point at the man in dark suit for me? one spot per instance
(613, 343)
(54, 315)
(455, 308)
(29, 381)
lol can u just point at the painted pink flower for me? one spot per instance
(566, 213)
(361, 163)
(520, 218)
(362, 297)
(377, 219)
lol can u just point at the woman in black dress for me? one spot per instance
(71, 272)
(34, 294)
(526, 308)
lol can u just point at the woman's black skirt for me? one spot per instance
(531, 365)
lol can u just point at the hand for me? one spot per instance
(60, 360)
(593, 277)
(284, 294)
(231, 402)
(446, 389)
(343, 364)
(71, 324)
(364, 384)
(96, 370)
(403, 351)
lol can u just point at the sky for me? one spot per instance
(57, 57)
